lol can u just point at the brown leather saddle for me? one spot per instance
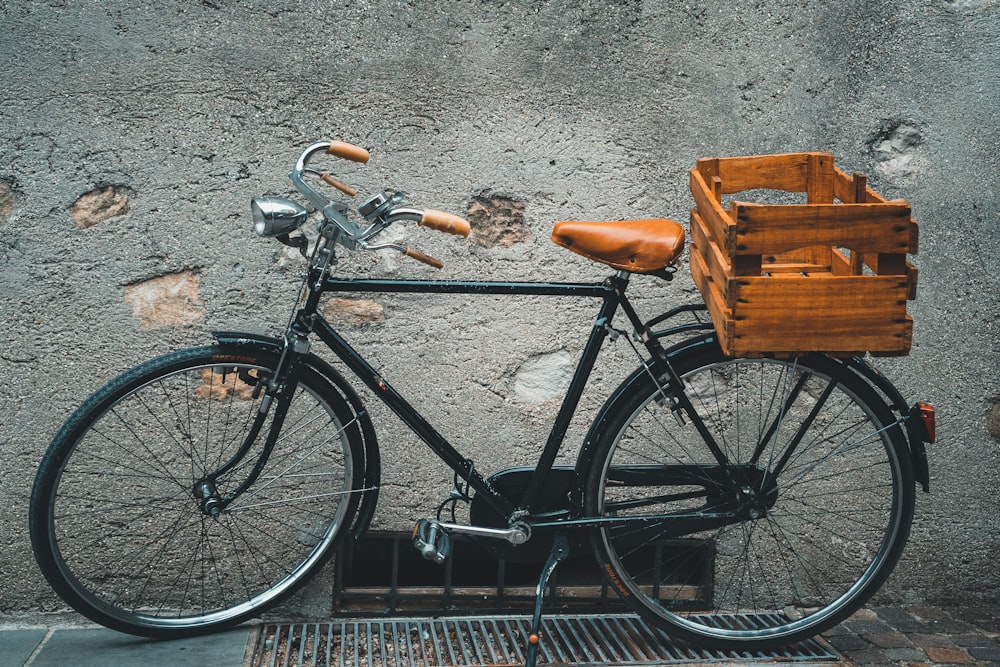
(637, 246)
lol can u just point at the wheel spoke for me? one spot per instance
(813, 470)
(120, 518)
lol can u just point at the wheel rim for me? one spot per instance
(128, 534)
(830, 537)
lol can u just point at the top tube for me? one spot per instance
(600, 289)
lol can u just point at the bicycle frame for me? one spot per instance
(611, 291)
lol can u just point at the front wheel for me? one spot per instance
(794, 529)
(119, 520)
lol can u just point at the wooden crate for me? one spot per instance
(826, 275)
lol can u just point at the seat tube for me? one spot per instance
(615, 288)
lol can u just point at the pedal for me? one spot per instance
(431, 540)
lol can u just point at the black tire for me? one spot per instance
(115, 524)
(823, 540)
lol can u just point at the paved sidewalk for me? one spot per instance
(99, 647)
(907, 637)
(915, 636)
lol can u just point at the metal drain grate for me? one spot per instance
(473, 641)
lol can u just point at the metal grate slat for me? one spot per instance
(583, 641)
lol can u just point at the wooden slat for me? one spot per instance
(794, 267)
(911, 273)
(850, 300)
(822, 313)
(708, 167)
(844, 188)
(722, 319)
(716, 262)
(872, 262)
(842, 265)
(717, 265)
(722, 229)
(819, 184)
(788, 171)
(883, 340)
(763, 229)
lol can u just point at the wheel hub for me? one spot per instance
(208, 497)
(756, 492)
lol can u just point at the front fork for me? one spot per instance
(278, 394)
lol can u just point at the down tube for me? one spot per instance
(399, 405)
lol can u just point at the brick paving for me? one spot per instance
(920, 636)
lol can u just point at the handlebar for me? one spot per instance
(445, 222)
(380, 211)
(347, 151)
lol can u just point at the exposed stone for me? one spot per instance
(497, 221)
(353, 311)
(896, 149)
(170, 300)
(100, 204)
(219, 387)
(6, 200)
(544, 377)
(993, 418)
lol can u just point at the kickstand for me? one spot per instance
(560, 550)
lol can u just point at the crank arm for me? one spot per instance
(516, 536)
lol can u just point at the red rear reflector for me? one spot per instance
(926, 413)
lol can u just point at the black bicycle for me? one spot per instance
(202, 487)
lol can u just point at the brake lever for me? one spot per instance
(406, 250)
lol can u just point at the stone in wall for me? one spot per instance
(497, 221)
(353, 311)
(218, 387)
(6, 201)
(544, 377)
(169, 300)
(100, 204)
(993, 418)
(897, 149)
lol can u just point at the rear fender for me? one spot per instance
(372, 463)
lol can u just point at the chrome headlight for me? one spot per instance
(274, 216)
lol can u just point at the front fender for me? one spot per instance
(372, 463)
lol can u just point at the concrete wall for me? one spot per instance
(132, 136)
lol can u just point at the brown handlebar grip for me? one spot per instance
(347, 151)
(426, 259)
(330, 180)
(445, 222)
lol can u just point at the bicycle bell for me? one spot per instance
(378, 204)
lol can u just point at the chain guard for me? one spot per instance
(511, 484)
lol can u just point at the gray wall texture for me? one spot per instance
(133, 134)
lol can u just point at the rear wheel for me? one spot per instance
(123, 535)
(818, 486)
